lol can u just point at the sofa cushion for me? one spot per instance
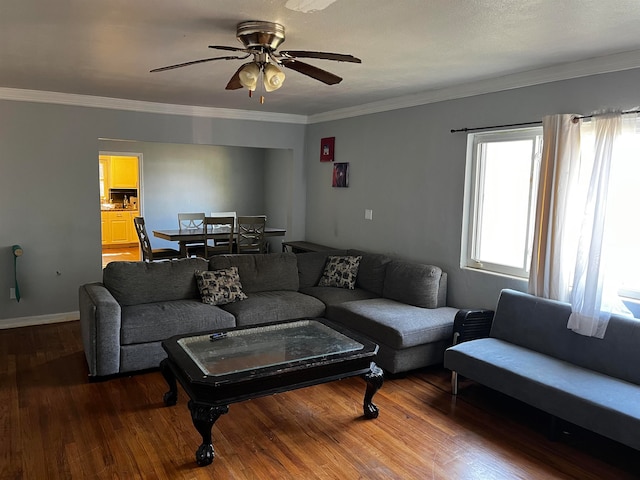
(263, 307)
(332, 295)
(219, 287)
(151, 322)
(133, 283)
(261, 272)
(599, 402)
(412, 283)
(393, 323)
(340, 272)
(372, 270)
(311, 266)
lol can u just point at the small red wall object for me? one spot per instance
(327, 146)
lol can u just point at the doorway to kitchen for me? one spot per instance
(119, 177)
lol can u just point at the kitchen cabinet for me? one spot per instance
(124, 172)
(106, 227)
(118, 228)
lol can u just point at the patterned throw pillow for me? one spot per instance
(219, 287)
(340, 272)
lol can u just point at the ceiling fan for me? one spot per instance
(261, 40)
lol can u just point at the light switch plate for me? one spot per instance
(368, 214)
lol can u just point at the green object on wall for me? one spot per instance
(17, 252)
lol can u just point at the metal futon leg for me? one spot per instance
(454, 383)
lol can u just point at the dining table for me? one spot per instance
(186, 236)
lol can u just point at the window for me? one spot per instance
(500, 203)
(502, 176)
(622, 230)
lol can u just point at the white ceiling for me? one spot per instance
(106, 48)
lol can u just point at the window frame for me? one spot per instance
(473, 197)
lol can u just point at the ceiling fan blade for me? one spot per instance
(186, 64)
(234, 82)
(339, 57)
(229, 49)
(311, 71)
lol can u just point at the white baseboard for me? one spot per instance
(38, 320)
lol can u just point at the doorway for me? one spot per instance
(119, 177)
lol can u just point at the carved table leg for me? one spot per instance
(171, 397)
(204, 416)
(374, 379)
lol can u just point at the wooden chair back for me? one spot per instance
(250, 237)
(189, 221)
(145, 244)
(149, 254)
(218, 226)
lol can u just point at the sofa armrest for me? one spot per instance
(100, 319)
(471, 324)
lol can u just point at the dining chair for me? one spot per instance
(191, 221)
(218, 241)
(217, 226)
(250, 237)
(224, 214)
(151, 254)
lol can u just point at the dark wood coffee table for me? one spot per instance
(248, 362)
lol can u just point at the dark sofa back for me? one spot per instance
(413, 283)
(540, 324)
(134, 283)
(261, 273)
(311, 266)
(408, 282)
(372, 271)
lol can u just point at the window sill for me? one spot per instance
(495, 274)
(633, 305)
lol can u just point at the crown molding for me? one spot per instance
(592, 66)
(583, 68)
(146, 107)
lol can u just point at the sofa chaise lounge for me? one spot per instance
(399, 305)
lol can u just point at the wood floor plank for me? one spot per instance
(56, 424)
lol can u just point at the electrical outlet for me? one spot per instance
(368, 214)
(12, 294)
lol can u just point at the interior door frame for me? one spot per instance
(138, 155)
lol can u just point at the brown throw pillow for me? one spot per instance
(340, 272)
(219, 287)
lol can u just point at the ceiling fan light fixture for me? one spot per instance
(273, 77)
(249, 75)
(261, 40)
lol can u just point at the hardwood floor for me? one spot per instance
(128, 254)
(55, 424)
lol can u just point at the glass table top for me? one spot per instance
(265, 346)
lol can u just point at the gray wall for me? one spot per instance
(409, 169)
(279, 198)
(49, 200)
(405, 165)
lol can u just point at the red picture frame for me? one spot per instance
(327, 147)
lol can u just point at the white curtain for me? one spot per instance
(555, 235)
(569, 256)
(594, 298)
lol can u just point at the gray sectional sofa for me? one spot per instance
(399, 305)
(532, 356)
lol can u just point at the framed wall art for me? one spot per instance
(327, 146)
(340, 175)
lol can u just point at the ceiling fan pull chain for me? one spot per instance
(261, 82)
